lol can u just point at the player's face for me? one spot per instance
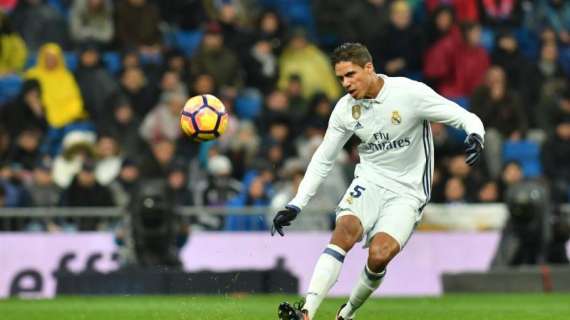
(356, 80)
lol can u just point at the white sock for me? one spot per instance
(368, 282)
(324, 277)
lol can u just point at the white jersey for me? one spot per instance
(396, 149)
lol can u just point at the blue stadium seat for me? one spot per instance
(527, 153)
(71, 60)
(528, 42)
(461, 101)
(564, 58)
(248, 104)
(10, 86)
(488, 39)
(112, 61)
(187, 41)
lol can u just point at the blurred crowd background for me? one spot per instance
(91, 91)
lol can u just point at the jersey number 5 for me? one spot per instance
(357, 191)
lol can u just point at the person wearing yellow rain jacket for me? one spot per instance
(60, 93)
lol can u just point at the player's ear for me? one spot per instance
(369, 67)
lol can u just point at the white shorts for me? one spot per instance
(380, 210)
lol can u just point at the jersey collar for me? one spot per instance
(380, 98)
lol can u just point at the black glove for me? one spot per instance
(473, 148)
(283, 218)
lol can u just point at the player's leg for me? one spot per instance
(393, 230)
(347, 232)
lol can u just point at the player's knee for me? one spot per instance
(380, 256)
(348, 231)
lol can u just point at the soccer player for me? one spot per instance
(392, 183)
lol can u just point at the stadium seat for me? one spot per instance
(10, 86)
(564, 57)
(187, 41)
(248, 104)
(528, 42)
(112, 61)
(488, 39)
(527, 153)
(71, 60)
(461, 101)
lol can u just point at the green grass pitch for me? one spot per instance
(246, 307)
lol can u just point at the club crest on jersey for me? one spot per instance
(356, 111)
(396, 118)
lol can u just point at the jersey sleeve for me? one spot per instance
(322, 161)
(433, 107)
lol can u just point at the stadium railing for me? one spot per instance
(436, 216)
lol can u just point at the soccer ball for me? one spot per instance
(204, 118)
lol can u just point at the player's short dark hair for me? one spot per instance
(354, 52)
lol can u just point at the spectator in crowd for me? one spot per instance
(444, 39)
(466, 10)
(161, 152)
(271, 28)
(276, 107)
(16, 194)
(455, 191)
(170, 82)
(319, 111)
(401, 46)
(137, 25)
(217, 60)
(135, 87)
(26, 111)
(497, 13)
(517, 67)
(489, 192)
(44, 192)
(5, 144)
(243, 148)
(553, 110)
(39, 23)
(547, 76)
(235, 22)
(14, 51)
(445, 145)
(185, 14)
(109, 159)
(177, 184)
(122, 122)
(77, 147)
(556, 14)
(500, 109)
(26, 149)
(260, 65)
(305, 59)
(96, 84)
(555, 153)
(511, 175)
(163, 122)
(462, 60)
(471, 61)
(125, 183)
(60, 95)
(216, 190)
(298, 103)
(85, 191)
(365, 21)
(175, 61)
(92, 21)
